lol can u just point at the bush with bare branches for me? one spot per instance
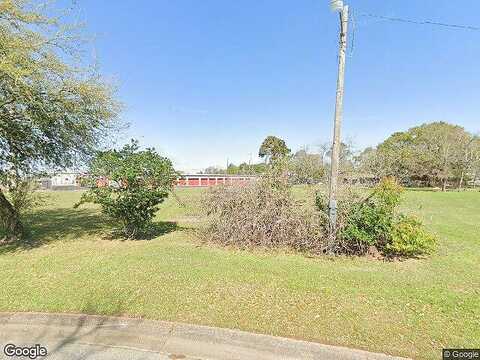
(262, 213)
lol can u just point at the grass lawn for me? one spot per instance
(410, 308)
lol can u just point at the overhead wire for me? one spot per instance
(422, 22)
(353, 22)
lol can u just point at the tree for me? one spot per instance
(367, 165)
(129, 184)
(474, 164)
(324, 150)
(396, 157)
(214, 170)
(273, 148)
(53, 112)
(307, 168)
(242, 169)
(246, 169)
(432, 153)
(469, 161)
(232, 169)
(438, 150)
(347, 159)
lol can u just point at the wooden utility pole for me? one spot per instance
(336, 146)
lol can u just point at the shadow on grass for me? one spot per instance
(55, 224)
(47, 226)
(155, 230)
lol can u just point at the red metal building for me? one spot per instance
(202, 180)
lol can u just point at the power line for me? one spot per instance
(422, 22)
(353, 21)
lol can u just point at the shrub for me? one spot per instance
(129, 185)
(410, 239)
(369, 222)
(262, 213)
(366, 221)
(366, 225)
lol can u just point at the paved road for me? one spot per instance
(76, 337)
(82, 351)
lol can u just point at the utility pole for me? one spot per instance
(250, 164)
(336, 145)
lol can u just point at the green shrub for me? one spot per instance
(366, 225)
(363, 222)
(410, 239)
(369, 222)
(129, 184)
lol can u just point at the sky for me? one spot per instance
(204, 82)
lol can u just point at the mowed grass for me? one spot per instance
(409, 308)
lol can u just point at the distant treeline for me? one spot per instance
(242, 169)
(437, 154)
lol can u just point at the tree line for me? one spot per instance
(436, 154)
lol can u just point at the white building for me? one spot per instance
(65, 180)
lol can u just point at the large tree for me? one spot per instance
(395, 157)
(307, 168)
(53, 110)
(439, 149)
(434, 153)
(273, 148)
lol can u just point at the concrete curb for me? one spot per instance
(186, 341)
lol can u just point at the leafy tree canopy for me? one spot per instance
(434, 152)
(53, 110)
(307, 168)
(273, 148)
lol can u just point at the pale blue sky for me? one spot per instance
(206, 80)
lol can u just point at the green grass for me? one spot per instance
(408, 308)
